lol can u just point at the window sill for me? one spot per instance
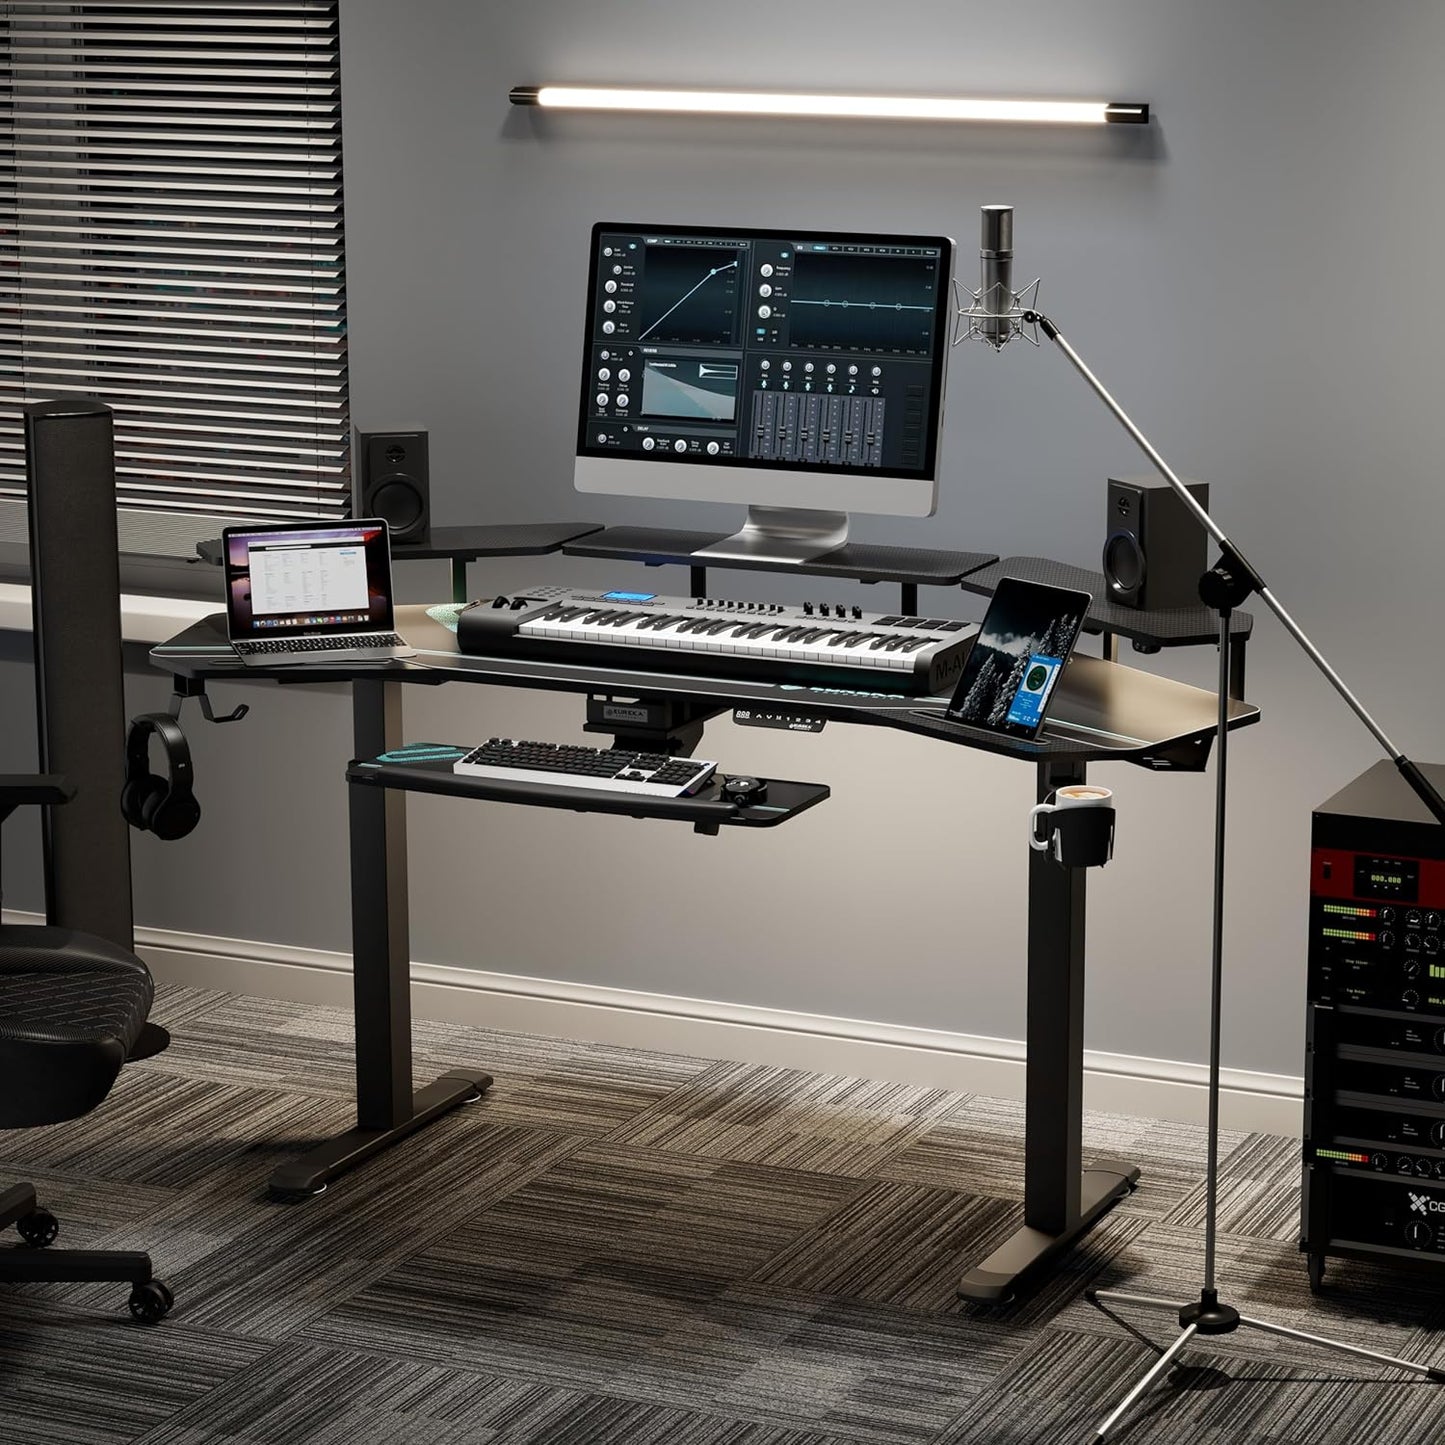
(142, 619)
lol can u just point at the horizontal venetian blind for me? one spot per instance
(170, 198)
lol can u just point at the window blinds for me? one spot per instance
(171, 209)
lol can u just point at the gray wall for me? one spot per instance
(1256, 281)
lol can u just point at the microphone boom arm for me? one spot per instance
(1232, 579)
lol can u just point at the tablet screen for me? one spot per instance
(1022, 647)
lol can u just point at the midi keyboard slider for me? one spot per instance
(825, 644)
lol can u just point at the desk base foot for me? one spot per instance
(1018, 1260)
(311, 1173)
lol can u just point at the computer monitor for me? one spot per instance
(799, 373)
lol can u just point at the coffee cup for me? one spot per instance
(1044, 825)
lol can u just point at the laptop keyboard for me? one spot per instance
(320, 644)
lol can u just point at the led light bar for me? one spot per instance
(865, 107)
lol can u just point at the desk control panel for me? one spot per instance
(1374, 1143)
(822, 643)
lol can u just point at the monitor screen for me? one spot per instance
(795, 369)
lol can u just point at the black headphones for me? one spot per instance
(165, 807)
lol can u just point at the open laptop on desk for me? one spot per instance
(310, 592)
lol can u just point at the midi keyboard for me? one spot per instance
(819, 643)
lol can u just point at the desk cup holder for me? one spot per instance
(1075, 833)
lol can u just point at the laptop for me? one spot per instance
(310, 592)
(1023, 645)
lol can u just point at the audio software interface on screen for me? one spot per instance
(773, 369)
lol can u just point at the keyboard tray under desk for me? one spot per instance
(706, 810)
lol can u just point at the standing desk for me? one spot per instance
(1101, 711)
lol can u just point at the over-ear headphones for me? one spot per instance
(163, 806)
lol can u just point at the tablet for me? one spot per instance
(1022, 647)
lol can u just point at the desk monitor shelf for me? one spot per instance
(857, 561)
(460, 545)
(1154, 627)
(1149, 628)
(502, 539)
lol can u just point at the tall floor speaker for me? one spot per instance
(395, 484)
(1155, 551)
(79, 677)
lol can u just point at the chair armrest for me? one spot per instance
(18, 788)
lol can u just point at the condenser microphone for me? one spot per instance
(996, 313)
(996, 274)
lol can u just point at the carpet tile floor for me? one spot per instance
(617, 1247)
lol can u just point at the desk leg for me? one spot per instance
(1061, 1198)
(386, 1109)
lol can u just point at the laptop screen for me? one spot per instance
(307, 579)
(1025, 640)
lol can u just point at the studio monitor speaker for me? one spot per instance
(395, 484)
(1154, 550)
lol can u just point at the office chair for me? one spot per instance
(72, 1010)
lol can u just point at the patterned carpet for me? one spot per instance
(617, 1246)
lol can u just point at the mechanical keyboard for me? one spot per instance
(820, 643)
(566, 765)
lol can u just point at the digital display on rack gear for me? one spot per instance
(808, 352)
(1387, 878)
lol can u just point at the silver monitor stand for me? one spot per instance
(781, 534)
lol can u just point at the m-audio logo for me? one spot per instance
(1424, 1204)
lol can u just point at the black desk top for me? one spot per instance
(1101, 710)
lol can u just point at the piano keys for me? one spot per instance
(824, 644)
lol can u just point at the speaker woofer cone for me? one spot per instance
(1124, 565)
(397, 500)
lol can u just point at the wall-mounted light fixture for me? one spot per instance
(864, 107)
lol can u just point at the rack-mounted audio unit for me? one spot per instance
(1374, 1138)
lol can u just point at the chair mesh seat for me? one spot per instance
(71, 1008)
(54, 984)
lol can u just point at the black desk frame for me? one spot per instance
(1062, 1199)
(386, 1108)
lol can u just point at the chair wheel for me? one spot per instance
(38, 1228)
(151, 1301)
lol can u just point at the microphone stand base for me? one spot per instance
(1207, 1316)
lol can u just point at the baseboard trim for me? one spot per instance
(973, 1063)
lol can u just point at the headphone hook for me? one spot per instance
(196, 688)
